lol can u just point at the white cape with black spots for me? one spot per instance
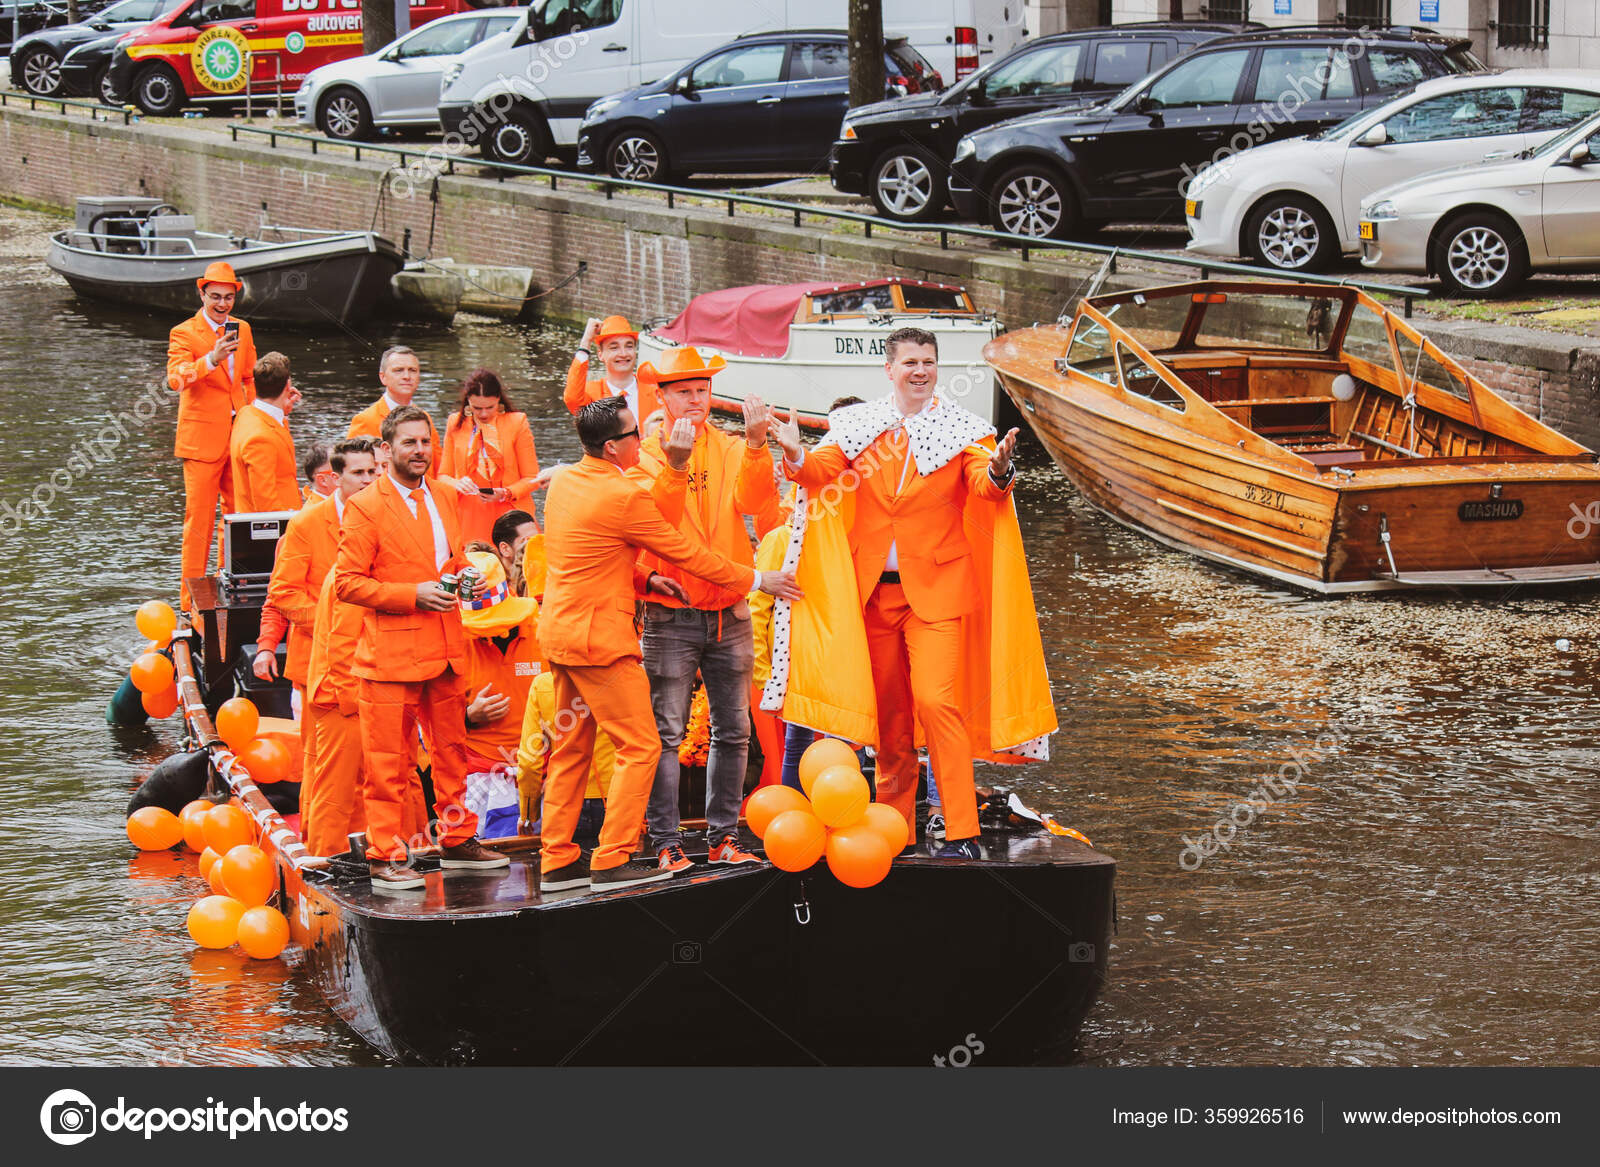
(936, 435)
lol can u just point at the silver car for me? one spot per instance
(399, 84)
(1482, 229)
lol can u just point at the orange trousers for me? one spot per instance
(615, 698)
(769, 732)
(330, 793)
(203, 484)
(914, 673)
(390, 712)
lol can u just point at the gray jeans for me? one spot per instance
(678, 642)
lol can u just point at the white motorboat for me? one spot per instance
(806, 345)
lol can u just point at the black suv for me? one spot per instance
(898, 151)
(1054, 174)
(767, 101)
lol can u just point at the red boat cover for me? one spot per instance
(752, 321)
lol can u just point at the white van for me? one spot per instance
(521, 95)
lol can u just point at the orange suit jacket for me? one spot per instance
(308, 551)
(521, 465)
(580, 391)
(265, 477)
(336, 634)
(207, 401)
(380, 564)
(369, 424)
(923, 520)
(596, 522)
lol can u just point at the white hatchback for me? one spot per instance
(399, 84)
(1294, 205)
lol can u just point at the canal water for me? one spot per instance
(1416, 885)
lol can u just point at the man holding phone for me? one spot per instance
(211, 360)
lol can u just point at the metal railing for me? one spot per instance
(9, 97)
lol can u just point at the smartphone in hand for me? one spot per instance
(230, 330)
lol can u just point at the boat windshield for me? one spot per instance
(925, 299)
(1156, 322)
(879, 298)
(1277, 320)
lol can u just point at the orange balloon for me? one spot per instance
(885, 821)
(768, 803)
(840, 795)
(152, 673)
(193, 818)
(226, 827)
(249, 875)
(795, 840)
(237, 722)
(214, 921)
(819, 755)
(263, 932)
(153, 829)
(160, 705)
(156, 620)
(207, 858)
(214, 879)
(858, 856)
(267, 760)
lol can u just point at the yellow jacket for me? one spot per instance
(769, 557)
(533, 753)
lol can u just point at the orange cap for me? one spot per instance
(614, 326)
(219, 273)
(682, 364)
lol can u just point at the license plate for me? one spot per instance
(1369, 230)
(1191, 207)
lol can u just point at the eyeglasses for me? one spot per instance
(633, 433)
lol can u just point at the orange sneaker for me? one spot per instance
(672, 859)
(727, 851)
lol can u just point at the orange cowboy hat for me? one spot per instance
(496, 611)
(683, 363)
(219, 273)
(615, 326)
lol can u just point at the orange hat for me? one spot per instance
(682, 364)
(219, 273)
(614, 326)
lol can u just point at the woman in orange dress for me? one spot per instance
(488, 452)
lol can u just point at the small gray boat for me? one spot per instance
(144, 253)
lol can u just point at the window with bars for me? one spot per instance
(1367, 13)
(1524, 24)
(1232, 11)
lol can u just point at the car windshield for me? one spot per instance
(129, 11)
(1564, 142)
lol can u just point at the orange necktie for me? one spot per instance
(423, 524)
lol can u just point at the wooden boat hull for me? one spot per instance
(734, 966)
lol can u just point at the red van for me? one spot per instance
(197, 53)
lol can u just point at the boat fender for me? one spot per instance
(175, 783)
(127, 705)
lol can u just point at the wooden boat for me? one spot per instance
(806, 345)
(142, 253)
(1306, 434)
(739, 965)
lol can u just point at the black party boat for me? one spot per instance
(730, 966)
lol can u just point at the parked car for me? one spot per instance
(1051, 174)
(87, 69)
(898, 152)
(399, 84)
(771, 101)
(18, 18)
(1294, 205)
(1482, 229)
(196, 54)
(36, 57)
(524, 99)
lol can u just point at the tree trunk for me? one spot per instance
(377, 24)
(72, 12)
(866, 52)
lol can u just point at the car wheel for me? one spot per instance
(1291, 233)
(1035, 201)
(518, 138)
(103, 88)
(637, 155)
(344, 113)
(1480, 254)
(41, 72)
(907, 183)
(157, 92)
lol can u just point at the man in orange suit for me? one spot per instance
(915, 459)
(596, 523)
(399, 372)
(398, 537)
(261, 447)
(618, 346)
(210, 362)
